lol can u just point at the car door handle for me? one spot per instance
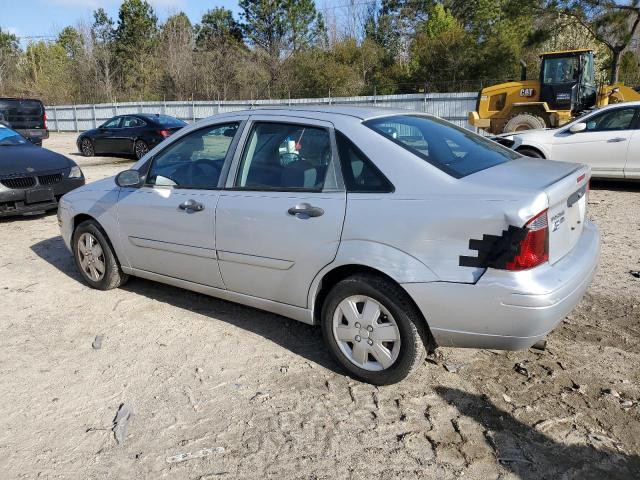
(305, 210)
(616, 140)
(191, 205)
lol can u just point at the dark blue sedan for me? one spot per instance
(133, 134)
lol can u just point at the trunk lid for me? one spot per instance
(565, 185)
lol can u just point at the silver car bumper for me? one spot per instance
(509, 310)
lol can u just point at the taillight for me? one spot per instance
(164, 133)
(44, 120)
(534, 247)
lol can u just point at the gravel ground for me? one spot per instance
(248, 394)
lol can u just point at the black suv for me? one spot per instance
(25, 116)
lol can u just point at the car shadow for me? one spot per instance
(27, 218)
(530, 454)
(615, 185)
(299, 338)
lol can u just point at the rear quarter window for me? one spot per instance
(452, 149)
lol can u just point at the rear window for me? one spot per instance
(452, 149)
(167, 121)
(21, 107)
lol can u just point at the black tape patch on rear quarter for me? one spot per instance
(495, 251)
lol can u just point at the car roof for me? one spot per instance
(325, 111)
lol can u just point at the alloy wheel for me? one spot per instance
(91, 257)
(141, 149)
(366, 333)
(87, 148)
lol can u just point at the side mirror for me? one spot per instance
(129, 179)
(578, 127)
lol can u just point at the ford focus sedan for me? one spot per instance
(394, 232)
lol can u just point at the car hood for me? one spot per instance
(536, 133)
(28, 159)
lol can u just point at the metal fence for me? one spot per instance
(73, 118)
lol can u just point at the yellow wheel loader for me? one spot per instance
(566, 87)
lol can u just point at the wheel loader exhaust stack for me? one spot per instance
(566, 87)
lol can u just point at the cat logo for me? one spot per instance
(527, 92)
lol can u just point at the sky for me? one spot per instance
(47, 17)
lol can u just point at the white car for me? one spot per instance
(607, 139)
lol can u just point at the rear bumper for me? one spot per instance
(14, 201)
(509, 310)
(35, 135)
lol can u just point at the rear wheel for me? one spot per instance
(524, 121)
(530, 152)
(140, 149)
(95, 258)
(86, 146)
(373, 329)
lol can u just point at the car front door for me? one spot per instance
(103, 140)
(279, 221)
(168, 225)
(603, 144)
(632, 167)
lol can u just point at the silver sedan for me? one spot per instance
(396, 232)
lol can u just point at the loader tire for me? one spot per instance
(524, 121)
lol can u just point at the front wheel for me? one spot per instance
(95, 258)
(373, 329)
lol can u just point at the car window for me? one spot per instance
(113, 123)
(617, 119)
(452, 149)
(169, 122)
(279, 156)
(131, 122)
(360, 174)
(193, 161)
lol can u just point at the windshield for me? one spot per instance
(561, 70)
(452, 149)
(9, 137)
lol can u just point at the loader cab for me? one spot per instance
(567, 80)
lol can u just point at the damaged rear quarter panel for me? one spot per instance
(436, 229)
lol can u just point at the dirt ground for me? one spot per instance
(252, 395)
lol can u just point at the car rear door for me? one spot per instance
(603, 145)
(279, 221)
(168, 225)
(130, 130)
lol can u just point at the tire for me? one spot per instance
(530, 152)
(400, 357)
(86, 147)
(101, 259)
(140, 149)
(524, 121)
